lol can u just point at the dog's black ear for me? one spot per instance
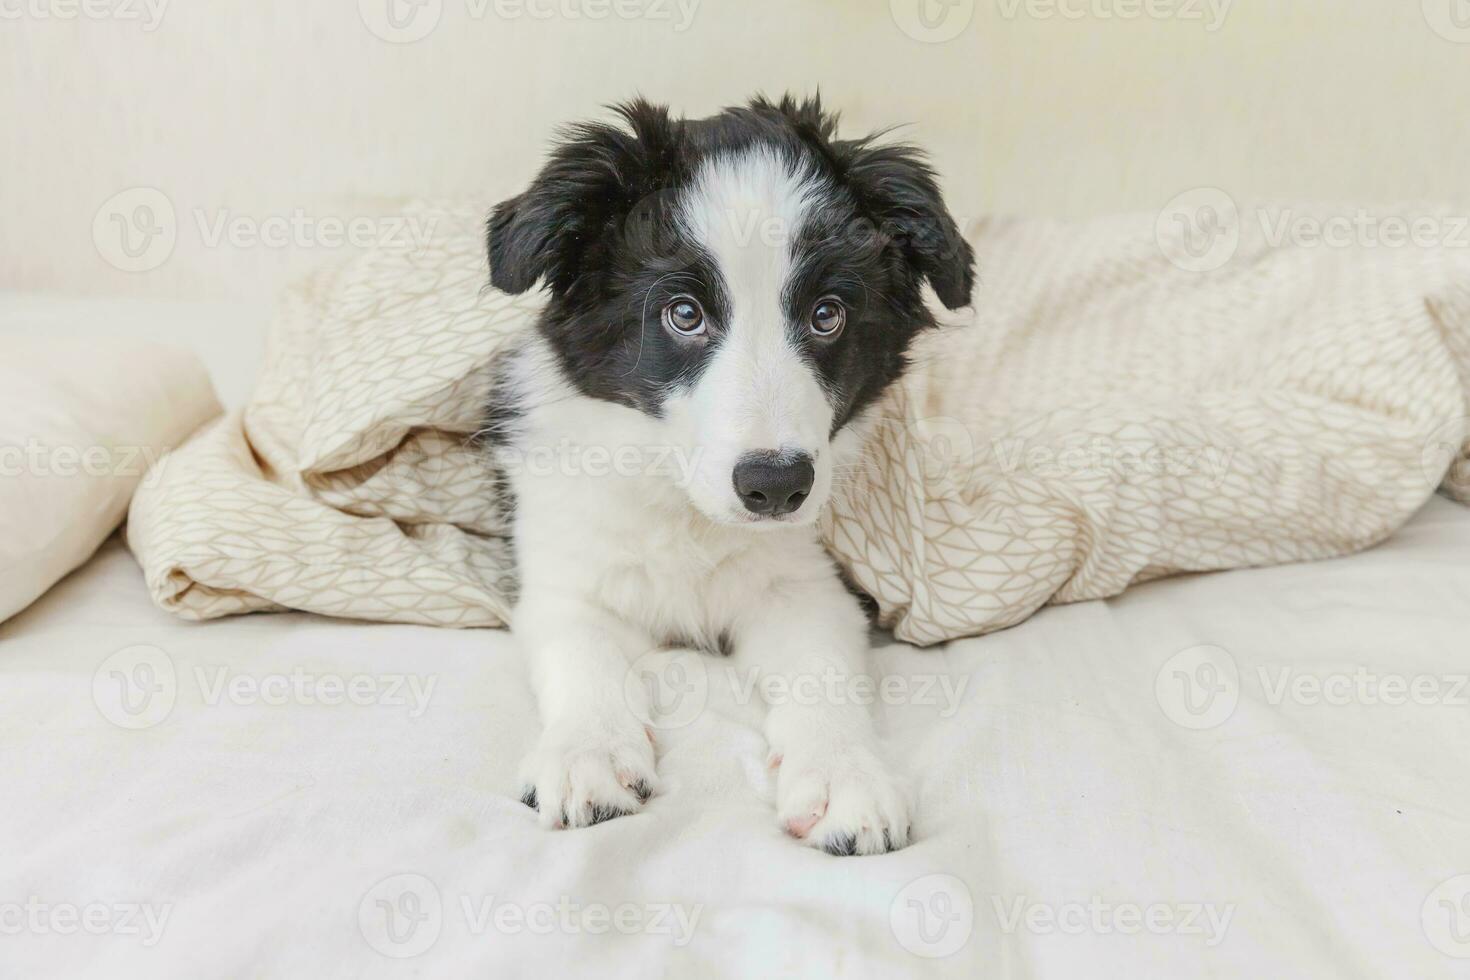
(554, 230)
(898, 189)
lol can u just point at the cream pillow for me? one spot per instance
(81, 421)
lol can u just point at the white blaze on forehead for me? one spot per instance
(746, 210)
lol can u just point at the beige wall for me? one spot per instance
(245, 111)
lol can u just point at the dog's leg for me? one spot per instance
(595, 759)
(833, 789)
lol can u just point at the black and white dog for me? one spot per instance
(726, 296)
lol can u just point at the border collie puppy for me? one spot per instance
(726, 298)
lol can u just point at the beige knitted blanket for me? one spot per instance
(1112, 411)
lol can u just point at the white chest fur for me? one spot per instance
(598, 515)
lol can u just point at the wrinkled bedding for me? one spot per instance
(1290, 826)
(1108, 413)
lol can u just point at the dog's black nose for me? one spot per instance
(772, 484)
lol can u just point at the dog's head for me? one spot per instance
(749, 281)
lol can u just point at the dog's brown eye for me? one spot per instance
(828, 317)
(684, 317)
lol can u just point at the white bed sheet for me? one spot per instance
(1325, 840)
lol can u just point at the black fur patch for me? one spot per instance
(597, 228)
(498, 430)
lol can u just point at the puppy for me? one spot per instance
(726, 298)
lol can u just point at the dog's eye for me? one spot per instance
(684, 317)
(828, 317)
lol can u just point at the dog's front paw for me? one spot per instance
(842, 800)
(583, 774)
